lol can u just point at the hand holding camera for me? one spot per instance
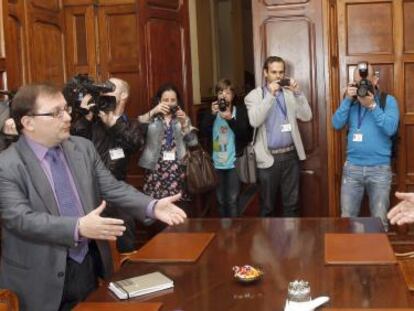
(214, 107)
(161, 108)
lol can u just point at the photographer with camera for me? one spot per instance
(168, 135)
(372, 119)
(116, 138)
(228, 130)
(273, 110)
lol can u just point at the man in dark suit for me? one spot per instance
(53, 188)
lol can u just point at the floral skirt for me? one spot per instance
(168, 178)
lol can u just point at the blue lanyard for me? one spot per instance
(283, 109)
(169, 136)
(361, 118)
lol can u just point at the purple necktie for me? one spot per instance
(67, 201)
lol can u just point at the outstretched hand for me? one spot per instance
(166, 211)
(403, 212)
(93, 226)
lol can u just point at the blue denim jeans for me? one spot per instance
(227, 192)
(375, 180)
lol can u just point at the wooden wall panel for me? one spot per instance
(284, 28)
(15, 44)
(35, 43)
(362, 37)
(15, 52)
(80, 40)
(408, 9)
(50, 5)
(408, 81)
(410, 153)
(47, 63)
(165, 29)
(165, 35)
(165, 4)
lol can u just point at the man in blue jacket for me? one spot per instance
(371, 126)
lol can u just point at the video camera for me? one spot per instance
(80, 85)
(364, 85)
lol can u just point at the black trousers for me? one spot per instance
(283, 175)
(80, 279)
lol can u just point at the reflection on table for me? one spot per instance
(286, 249)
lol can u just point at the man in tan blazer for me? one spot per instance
(273, 110)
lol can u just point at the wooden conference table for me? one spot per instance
(286, 249)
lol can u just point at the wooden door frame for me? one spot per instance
(334, 138)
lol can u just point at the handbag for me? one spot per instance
(246, 164)
(200, 173)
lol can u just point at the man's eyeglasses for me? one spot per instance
(56, 114)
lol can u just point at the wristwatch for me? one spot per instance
(372, 107)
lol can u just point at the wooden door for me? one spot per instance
(35, 42)
(293, 29)
(381, 33)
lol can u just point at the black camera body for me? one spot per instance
(80, 85)
(222, 104)
(364, 85)
(284, 82)
(174, 109)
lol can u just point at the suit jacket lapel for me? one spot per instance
(38, 176)
(79, 171)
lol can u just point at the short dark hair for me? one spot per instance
(25, 100)
(164, 88)
(224, 84)
(273, 59)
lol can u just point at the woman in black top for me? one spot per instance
(228, 128)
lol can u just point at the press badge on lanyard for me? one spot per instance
(116, 153)
(168, 156)
(286, 128)
(358, 137)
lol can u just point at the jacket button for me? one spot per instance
(60, 274)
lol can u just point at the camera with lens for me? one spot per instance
(80, 85)
(222, 104)
(364, 85)
(174, 109)
(284, 82)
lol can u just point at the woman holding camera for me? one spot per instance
(228, 128)
(168, 135)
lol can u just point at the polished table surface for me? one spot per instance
(287, 249)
